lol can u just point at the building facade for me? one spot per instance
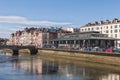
(38, 37)
(111, 28)
(71, 29)
(84, 40)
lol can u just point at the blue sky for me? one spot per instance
(53, 12)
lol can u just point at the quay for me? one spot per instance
(83, 56)
(100, 53)
(107, 58)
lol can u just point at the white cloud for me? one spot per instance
(24, 21)
(12, 19)
(10, 24)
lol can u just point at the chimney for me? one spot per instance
(101, 22)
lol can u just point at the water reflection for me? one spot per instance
(86, 73)
(35, 66)
(53, 69)
(3, 56)
(110, 77)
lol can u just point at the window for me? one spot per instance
(101, 27)
(111, 27)
(107, 31)
(115, 26)
(97, 28)
(106, 27)
(115, 30)
(111, 31)
(92, 29)
(88, 29)
(115, 35)
(119, 44)
(82, 29)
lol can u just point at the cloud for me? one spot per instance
(25, 21)
(11, 24)
(12, 19)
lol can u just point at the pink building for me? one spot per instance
(38, 37)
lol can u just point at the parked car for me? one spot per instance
(47, 46)
(109, 50)
(95, 48)
(116, 50)
(87, 49)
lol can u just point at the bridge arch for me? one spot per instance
(24, 51)
(15, 49)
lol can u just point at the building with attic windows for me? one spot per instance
(109, 27)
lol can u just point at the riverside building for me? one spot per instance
(38, 37)
(109, 27)
(84, 40)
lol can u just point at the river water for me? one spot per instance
(26, 67)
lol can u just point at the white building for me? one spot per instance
(112, 28)
(70, 29)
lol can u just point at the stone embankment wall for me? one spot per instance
(105, 58)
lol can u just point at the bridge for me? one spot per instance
(15, 49)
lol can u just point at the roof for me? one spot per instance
(114, 21)
(87, 32)
(98, 38)
(85, 36)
